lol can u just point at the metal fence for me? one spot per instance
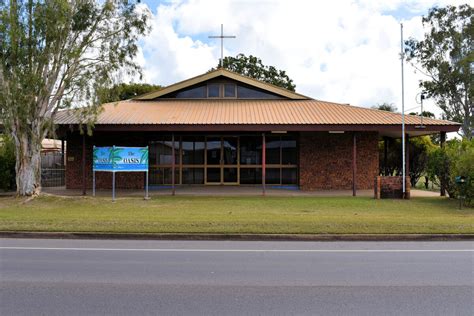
(52, 177)
(51, 160)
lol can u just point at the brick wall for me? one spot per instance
(326, 160)
(123, 180)
(391, 187)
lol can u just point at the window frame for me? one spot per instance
(220, 90)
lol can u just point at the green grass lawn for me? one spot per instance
(273, 215)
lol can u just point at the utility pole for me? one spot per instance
(402, 55)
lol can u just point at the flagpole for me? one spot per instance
(402, 55)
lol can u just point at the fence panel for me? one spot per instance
(53, 177)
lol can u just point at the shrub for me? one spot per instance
(464, 166)
(7, 164)
(419, 150)
(455, 159)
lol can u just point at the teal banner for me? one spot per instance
(120, 159)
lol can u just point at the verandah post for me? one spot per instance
(84, 186)
(62, 154)
(385, 154)
(354, 163)
(407, 155)
(113, 186)
(173, 166)
(442, 188)
(263, 164)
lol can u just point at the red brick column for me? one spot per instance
(391, 187)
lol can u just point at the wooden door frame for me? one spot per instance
(221, 165)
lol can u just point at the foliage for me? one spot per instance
(427, 114)
(57, 55)
(390, 107)
(465, 167)
(435, 138)
(446, 56)
(253, 67)
(7, 163)
(455, 159)
(394, 157)
(419, 150)
(125, 91)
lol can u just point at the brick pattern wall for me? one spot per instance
(326, 160)
(123, 180)
(391, 187)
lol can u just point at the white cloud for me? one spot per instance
(342, 51)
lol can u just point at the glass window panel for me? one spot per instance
(272, 175)
(199, 147)
(192, 93)
(289, 176)
(272, 150)
(249, 93)
(198, 175)
(288, 151)
(187, 145)
(187, 176)
(230, 174)
(229, 90)
(250, 150)
(161, 151)
(162, 176)
(152, 153)
(213, 151)
(193, 176)
(230, 145)
(213, 90)
(214, 175)
(250, 175)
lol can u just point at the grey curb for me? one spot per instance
(242, 237)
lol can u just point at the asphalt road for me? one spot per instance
(90, 277)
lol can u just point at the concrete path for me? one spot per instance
(90, 277)
(228, 191)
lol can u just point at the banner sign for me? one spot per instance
(117, 159)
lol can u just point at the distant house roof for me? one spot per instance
(48, 145)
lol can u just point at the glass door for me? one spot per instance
(213, 160)
(230, 160)
(222, 160)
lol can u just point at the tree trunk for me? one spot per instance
(28, 164)
(466, 128)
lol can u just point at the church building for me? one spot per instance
(222, 128)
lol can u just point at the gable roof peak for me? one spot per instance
(227, 74)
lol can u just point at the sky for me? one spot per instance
(340, 50)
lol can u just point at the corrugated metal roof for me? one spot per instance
(244, 112)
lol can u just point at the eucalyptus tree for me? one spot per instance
(58, 54)
(446, 56)
(253, 67)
